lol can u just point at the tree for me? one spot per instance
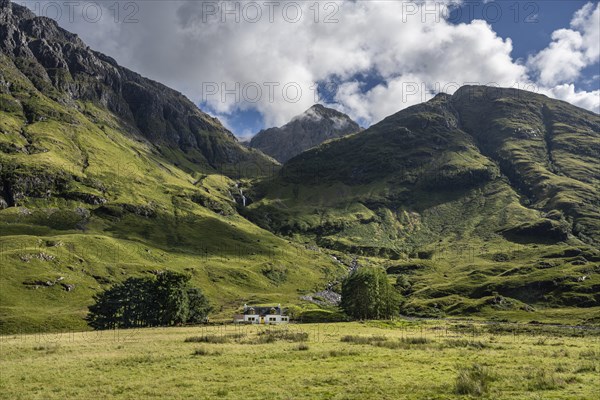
(164, 300)
(368, 294)
(199, 307)
(172, 299)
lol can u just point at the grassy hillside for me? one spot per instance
(486, 201)
(86, 204)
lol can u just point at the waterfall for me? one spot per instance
(243, 197)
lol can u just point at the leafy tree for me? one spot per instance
(199, 306)
(368, 294)
(172, 299)
(156, 301)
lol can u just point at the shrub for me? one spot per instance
(342, 353)
(404, 343)
(202, 351)
(474, 380)
(415, 340)
(464, 343)
(270, 336)
(48, 348)
(302, 347)
(544, 380)
(320, 315)
(207, 339)
(363, 339)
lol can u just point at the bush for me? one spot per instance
(201, 351)
(474, 380)
(544, 380)
(383, 341)
(342, 353)
(207, 339)
(464, 343)
(404, 343)
(270, 336)
(320, 315)
(415, 340)
(302, 347)
(363, 339)
(48, 348)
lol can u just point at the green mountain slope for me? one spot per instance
(484, 202)
(483, 192)
(62, 68)
(92, 193)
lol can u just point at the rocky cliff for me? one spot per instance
(309, 129)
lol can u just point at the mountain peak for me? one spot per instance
(309, 129)
(59, 65)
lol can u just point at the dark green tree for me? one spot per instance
(164, 300)
(199, 306)
(368, 294)
(171, 297)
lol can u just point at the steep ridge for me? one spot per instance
(90, 195)
(455, 187)
(549, 150)
(309, 129)
(65, 70)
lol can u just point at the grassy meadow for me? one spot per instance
(370, 360)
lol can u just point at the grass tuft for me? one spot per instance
(544, 380)
(474, 380)
(363, 339)
(465, 343)
(48, 348)
(302, 347)
(219, 339)
(202, 351)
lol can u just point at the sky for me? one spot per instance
(257, 64)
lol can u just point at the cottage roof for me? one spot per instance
(262, 310)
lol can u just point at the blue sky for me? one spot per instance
(369, 59)
(528, 24)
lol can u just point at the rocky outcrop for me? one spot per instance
(315, 126)
(64, 69)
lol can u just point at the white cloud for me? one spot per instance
(571, 50)
(583, 99)
(184, 45)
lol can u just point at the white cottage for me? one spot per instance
(262, 315)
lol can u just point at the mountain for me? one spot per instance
(483, 202)
(62, 68)
(106, 175)
(486, 191)
(309, 129)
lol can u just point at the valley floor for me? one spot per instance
(370, 360)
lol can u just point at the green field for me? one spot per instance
(369, 360)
